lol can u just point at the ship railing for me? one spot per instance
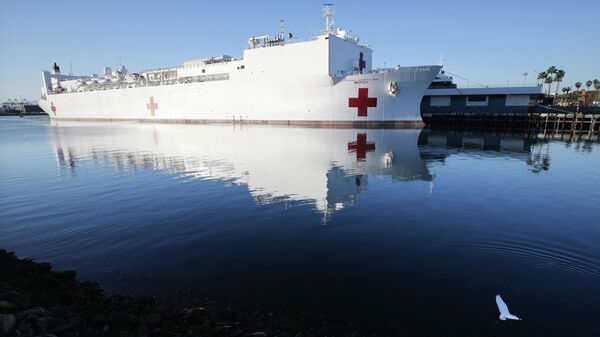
(301, 39)
(148, 83)
(357, 72)
(208, 65)
(283, 43)
(469, 84)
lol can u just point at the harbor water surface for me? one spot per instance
(412, 228)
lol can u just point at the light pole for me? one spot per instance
(525, 80)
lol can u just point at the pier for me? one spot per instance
(553, 121)
(20, 108)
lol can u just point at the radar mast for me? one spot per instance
(329, 21)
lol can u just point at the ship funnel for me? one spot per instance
(56, 68)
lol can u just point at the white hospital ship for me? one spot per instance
(327, 80)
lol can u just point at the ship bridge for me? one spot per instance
(334, 52)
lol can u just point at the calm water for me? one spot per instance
(412, 228)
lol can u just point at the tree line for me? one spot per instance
(555, 76)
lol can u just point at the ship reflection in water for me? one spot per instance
(323, 167)
(327, 168)
(418, 229)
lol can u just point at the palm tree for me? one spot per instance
(551, 71)
(542, 77)
(597, 84)
(560, 75)
(588, 84)
(578, 85)
(549, 81)
(568, 97)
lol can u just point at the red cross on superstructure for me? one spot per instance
(363, 102)
(152, 106)
(361, 147)
(53, 108)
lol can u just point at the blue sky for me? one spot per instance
(489, 42)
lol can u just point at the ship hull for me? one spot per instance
(390, 98)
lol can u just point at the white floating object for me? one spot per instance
(504, 313)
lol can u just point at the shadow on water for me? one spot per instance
(414, 228)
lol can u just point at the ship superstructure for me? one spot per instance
(325, 80)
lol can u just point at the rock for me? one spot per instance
(4, 287)
(259, 334)
(123, 318)
(22, 301)
(100, 318)
(222, 330)
(65, 274)
(46, 323)
(7, 305)
(43, 323)
(45, 266)
(8, 324)
(194, 312)
(16, 298)
(55, 322)
(25, 328)
(196, 315)
(33, 312)
(63, 328)
(8, 295)
(153, 319)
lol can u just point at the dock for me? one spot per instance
(20, 108)
(561, 123)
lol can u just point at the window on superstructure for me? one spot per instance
(203, 71)
(477, 98)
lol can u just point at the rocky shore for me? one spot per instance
(36, 300)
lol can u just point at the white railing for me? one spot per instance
(470, 84)
(146, 83)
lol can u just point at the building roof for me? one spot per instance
(535, 90)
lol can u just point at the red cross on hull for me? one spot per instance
(361, 147)
(363, 102)
(152, 106)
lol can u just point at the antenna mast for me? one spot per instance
(329, 21)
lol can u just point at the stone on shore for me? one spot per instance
(8, 324)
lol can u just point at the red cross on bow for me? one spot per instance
(152, 106)
(361, 147)
(363, 102)
(53, 108)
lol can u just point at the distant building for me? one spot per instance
(481, 100)
(443, 96)
(588, 98)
